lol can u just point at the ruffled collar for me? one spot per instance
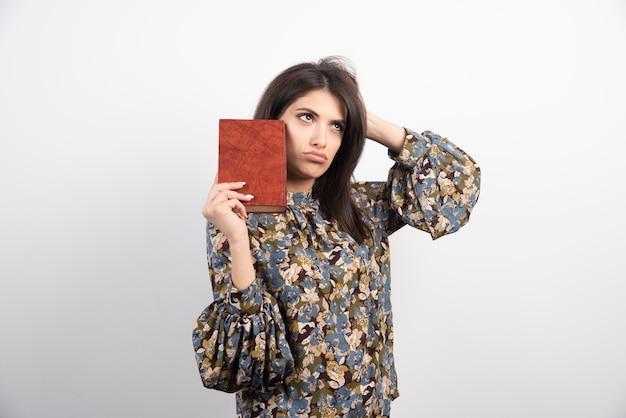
(302, 199)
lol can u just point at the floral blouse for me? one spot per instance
(313, 335)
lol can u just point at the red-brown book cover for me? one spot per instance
(254, 151)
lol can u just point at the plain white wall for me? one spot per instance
(108, 123)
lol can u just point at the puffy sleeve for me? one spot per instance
(239, 339)
(433, 186)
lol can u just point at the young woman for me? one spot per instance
(301, 322)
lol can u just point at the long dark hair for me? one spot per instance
(333, 188)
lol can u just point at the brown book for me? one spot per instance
(254, 151)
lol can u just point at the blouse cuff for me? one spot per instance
(247, 301)
(417, 146)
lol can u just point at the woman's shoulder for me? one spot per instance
(366, 194)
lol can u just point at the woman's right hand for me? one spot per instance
(225, 210)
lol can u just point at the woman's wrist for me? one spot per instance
(385, 133)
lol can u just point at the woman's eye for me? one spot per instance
(338, 127)
(307, 117)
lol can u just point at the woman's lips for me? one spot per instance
(316, 157)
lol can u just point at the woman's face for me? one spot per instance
(315, 123)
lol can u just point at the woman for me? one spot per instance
(301, 322)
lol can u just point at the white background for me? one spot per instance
(108, 126)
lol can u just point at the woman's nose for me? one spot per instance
(319, 138)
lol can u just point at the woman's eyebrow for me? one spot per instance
(307, 109)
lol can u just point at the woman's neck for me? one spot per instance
(299, 186)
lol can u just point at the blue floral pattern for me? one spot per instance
(313, 335)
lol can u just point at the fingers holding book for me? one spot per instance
(224, 208)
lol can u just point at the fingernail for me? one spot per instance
(249, 196)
